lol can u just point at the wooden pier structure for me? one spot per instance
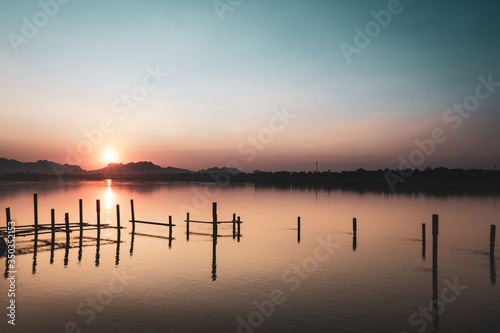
(68, 228)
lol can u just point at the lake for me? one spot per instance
(268, 281)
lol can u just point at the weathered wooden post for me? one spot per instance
(35, 207)
(298, 229)
(80, 206)
(53, 225)
(98, 210)
(3, 243)
(118, 226)
(214, 215)
(169, 231)
(133, 215)
(170, 226)
(354, 226)
(234, 226)
(53, 234)
(187, 226)
(435, 232)
(493, 229)
(118, 235)
(239, 228)
(66, 220)
(423, 240)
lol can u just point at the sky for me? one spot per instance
(258, 84)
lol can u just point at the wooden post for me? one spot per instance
(53, 234)
(35, 206)
(133, 216)
(66, 220)
(80, 205)
(3, 244)
(354, 226)
(118, 236)
(423, 240)
(239, 228)
(53, 224)
(170, 226)
(214, 215)
(234, 226)
(187, 226)
(435, 233)
(98, 210)
(492, 239)
(118, 226)
(298, 229)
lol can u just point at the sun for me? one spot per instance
(109, 156)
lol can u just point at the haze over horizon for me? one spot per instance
(271, 85)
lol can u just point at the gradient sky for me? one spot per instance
(227, 76)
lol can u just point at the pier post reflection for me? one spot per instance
(35, 250)
(214, 256)
(493, 272)
(132, 243)
(97, 249)
(435, 300)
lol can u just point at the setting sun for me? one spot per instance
(109, 156)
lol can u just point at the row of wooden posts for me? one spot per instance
(236, 222)
(67, 227)
(38, 229)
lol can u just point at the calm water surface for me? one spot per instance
(266, 282)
